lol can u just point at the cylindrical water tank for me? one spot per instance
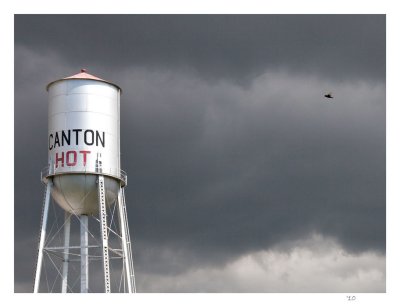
(83, 141)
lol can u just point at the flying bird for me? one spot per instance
(329, 95)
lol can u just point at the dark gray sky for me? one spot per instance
(234, 157)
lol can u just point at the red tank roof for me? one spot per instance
(83, 75)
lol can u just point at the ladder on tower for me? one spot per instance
(104, 233)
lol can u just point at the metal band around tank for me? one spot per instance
(47, 173)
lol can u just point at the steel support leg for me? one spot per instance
(126, 244)
(67, 230)
(42, 236)
(129, 243)
(84, 254)
(104, 233)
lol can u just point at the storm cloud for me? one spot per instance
(234, 47)
(230, 147)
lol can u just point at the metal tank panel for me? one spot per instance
(77, 193)
(84, 119)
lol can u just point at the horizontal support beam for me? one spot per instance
(71, 247)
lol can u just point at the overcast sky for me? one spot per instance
(242, 176)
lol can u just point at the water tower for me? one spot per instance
(84, 182)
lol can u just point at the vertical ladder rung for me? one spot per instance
(104, 233)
